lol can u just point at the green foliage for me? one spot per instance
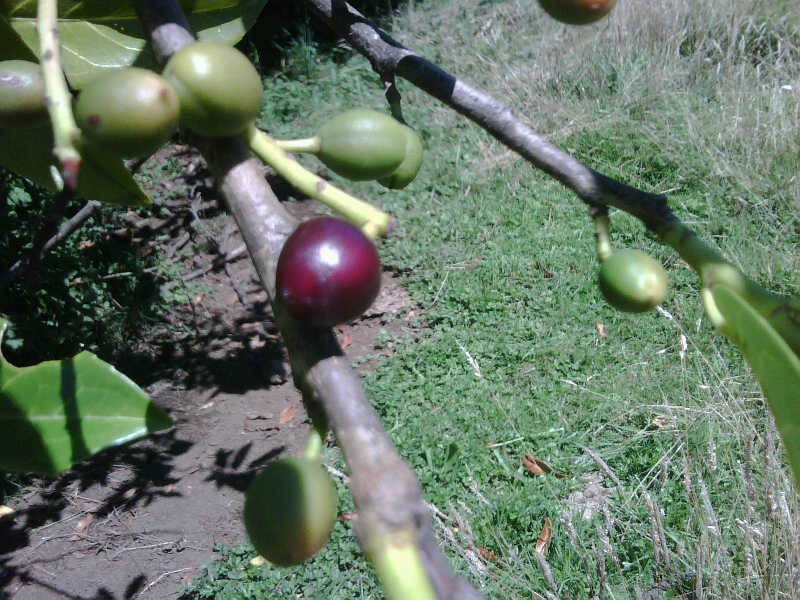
(97, 37)
(58, 413)
(774, 364)
(29, 153)
(94, 291)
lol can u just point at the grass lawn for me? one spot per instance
(519, 354)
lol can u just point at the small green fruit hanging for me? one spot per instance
(21, 94)
(408, 169)
(632, 281)
(129, 111)
(290, 510)
(359, 144)
(219, 88)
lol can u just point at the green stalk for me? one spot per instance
(783, 313)
(400, 569)
(314, 445)
(373, 221)
(310, 145)
(602, 227)
(59, 101)
(700, 256)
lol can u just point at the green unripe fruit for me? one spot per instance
(632, 281)
(129, 111)
(21, 94)
(408, 169)
(577, 12)
(290, 510)
(219, 88)
(362, 144)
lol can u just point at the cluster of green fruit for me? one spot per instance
(208, 88)
(212, 90)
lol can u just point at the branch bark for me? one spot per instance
(385, 489)
(389, 58)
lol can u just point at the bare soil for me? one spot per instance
(137, 522)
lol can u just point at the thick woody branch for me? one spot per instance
(387, 494)
(390, 58)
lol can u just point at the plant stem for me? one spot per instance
(602, 227)
(302, 146)
(314, 445)
(59, 101)
(400, 569)
(373, 221)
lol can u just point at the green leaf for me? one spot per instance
(101, 35)
(60, 412)
(774, 363)
(29, 152)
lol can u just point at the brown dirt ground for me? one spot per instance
(138, 522)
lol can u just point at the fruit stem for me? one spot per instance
(700, 256)
(783, 313)
(373, 221)
(66, 134)
(310, 145)
(602, 227)
(400, 569)
(314, 445)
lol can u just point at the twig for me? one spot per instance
(604, 467)
(58, 100)
(24, 265)
(219, 261)
(240, 293)
(158, 579)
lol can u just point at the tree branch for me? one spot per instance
(389, 58)
(387, 494)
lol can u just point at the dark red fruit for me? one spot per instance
(328, 272)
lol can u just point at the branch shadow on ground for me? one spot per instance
(137, 474)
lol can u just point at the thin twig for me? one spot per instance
(219, 261)
(604, 467)
(158, 579)
(24, 265)
(59, 101)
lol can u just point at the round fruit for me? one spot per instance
(408, 169)
(328, 272)
(290, 510)
(577, 12)
(632, 281)
(219, 88)
(130, 111)
(362, 144)
(21, 94)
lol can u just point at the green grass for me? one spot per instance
(670, 97)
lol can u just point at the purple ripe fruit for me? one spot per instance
(328, 272)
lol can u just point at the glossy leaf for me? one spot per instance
(60, 412)
(101, 35)
(776, 367)
(103, 177)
